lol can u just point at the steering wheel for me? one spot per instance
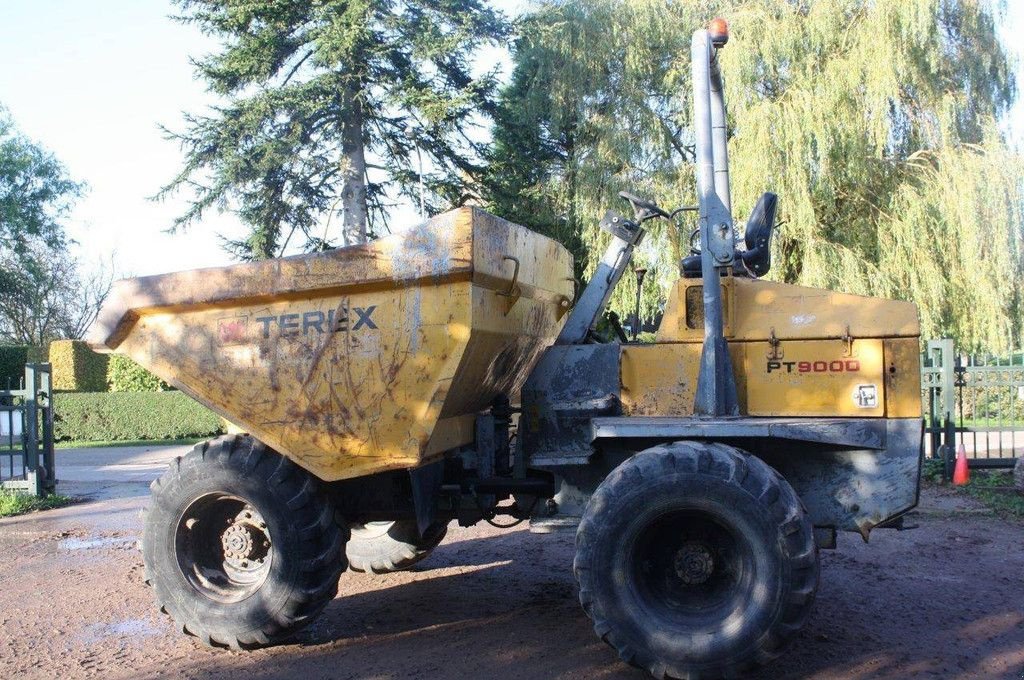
(695, 241)
(642, 208)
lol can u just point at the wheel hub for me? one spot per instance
(223, 547)
(245, 540)
(694, 563)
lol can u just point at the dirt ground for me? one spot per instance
(944, 600)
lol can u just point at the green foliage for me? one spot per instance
(107, 443)
(933, 471)
(35, 192)
(597, 104)
(12, 362)
(12, 365)
(312, 89)
(885, 150)
(76, 368)
(646, 337)
(38, 354)
(111, 416)
(43, 295)
(995, 489)
(17, 503)
(991, 405)
(874, 122)
(125, 375)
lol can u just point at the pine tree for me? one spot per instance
(862, 116)
(328, 103)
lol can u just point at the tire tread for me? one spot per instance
(306, 510)
(761, 482)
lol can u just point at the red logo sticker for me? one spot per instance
(232, 331)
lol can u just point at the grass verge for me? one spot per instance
(132, 442)
(995, 489)
(17, 503)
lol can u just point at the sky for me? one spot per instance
(94, 81)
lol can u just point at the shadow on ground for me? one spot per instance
(941, 601)
(893, 609)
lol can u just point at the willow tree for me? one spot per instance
(332, 106)
(875, 122)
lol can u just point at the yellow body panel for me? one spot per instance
(754, 308)
(902, 377)
(661, 379)
(796, 351)
(814, 378)
(361, 359)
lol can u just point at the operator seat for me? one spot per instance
(757, 258)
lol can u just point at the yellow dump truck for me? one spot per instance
(453, 373)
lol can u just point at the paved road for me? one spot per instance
(116, 464)
(115, 472)
(83, 468)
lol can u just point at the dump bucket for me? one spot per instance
(361, 359)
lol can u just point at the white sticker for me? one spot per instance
(866, 396)
(803, 319)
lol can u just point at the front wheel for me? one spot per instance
(240, 544)
(696, 560)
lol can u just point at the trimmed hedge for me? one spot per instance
(124, 375)
(12, 365)
(127, 416)
(38, 355)
(76, 368)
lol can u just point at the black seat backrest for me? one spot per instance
(758, 236)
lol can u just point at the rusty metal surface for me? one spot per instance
(855, 489)
(357, 360)
(569, 387)
(850, 474)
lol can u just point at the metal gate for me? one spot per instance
(974, 400)
(26, 433)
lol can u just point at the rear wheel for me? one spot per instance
(240, 544)
(382, 547)
(696, 560)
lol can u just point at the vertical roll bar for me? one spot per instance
(716, 384)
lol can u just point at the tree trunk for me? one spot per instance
(353, 192)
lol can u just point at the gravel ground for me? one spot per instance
(941, 601)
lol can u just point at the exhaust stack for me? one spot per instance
(716, 384)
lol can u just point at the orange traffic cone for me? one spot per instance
(961, 473)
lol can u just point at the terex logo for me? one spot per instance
(331, 322)
(836, 366)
